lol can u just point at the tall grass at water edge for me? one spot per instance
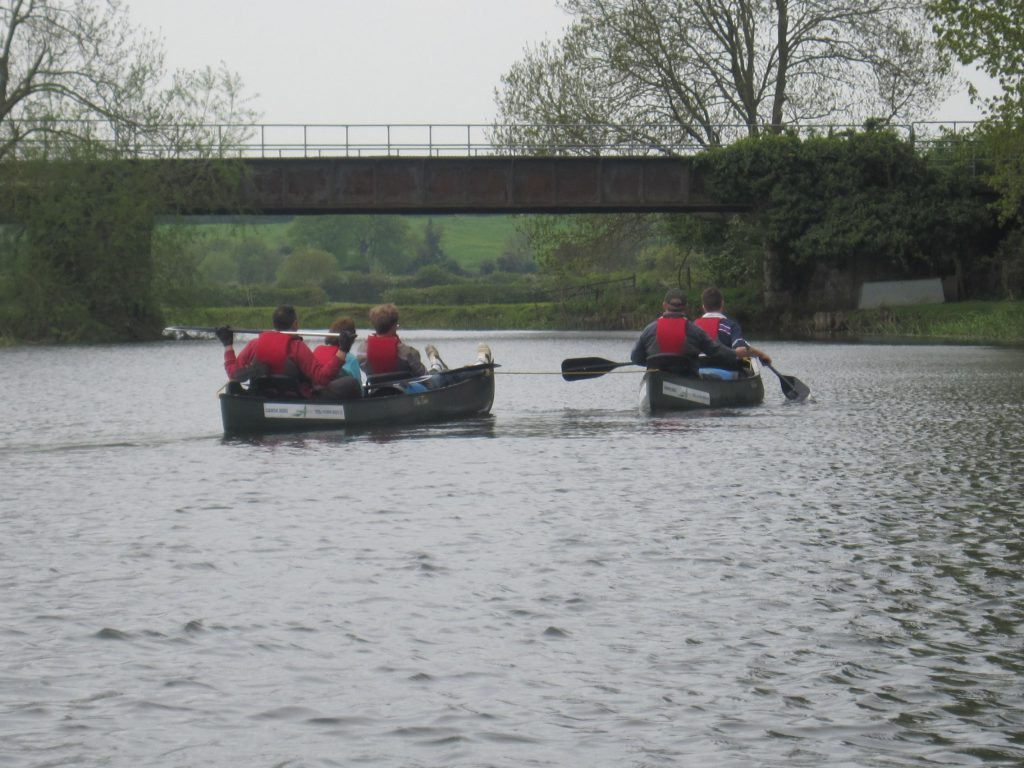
(986, 322)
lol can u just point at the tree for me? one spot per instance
(340, 235)
(83, 93)
(990, 35)
(863, 205)
(257, 261)
(78, 70)
(361, 243)
(429, 251)
(305, 266)
(987, 33)
(672, 75)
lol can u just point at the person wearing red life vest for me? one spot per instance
(279, 352)
(673, 334)
(348, 384)
(724, 329)
(385, 352)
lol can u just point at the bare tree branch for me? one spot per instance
(712, 70)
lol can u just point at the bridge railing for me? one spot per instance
(315, 140)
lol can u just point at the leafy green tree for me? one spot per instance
(176, 277)
(670, 75)
(429, 251)
(338, 235)
(568, 246)
(363, 243)
(306, 266)
(80, 268)
(990, 35)
(219, 267)
(516, 256)
(257, 261)
(387, 245)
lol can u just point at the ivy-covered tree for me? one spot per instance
(83, 93)
(865, 204)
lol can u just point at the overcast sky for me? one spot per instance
(367, 61)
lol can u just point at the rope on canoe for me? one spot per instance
(559, 373)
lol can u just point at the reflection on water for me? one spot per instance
(564, 582)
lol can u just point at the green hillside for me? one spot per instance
(468, 239)
(471, 239)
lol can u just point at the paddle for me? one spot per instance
(249, 331)
(792, 387)
(386, 381)
(578, 368)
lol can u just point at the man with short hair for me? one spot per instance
(716, 324)
(279, 352)
(673, 334)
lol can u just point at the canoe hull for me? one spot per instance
(662, 391)
(247, 414)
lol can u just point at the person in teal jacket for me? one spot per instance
(348, 383)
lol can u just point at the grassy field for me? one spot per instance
(469, 240)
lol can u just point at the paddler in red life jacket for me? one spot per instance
(724, 329)
(384, 352)
(673, 334)
(279, 352)
(348, 384)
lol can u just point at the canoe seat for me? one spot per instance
(276, 386)
(671, 363)
(718, 373)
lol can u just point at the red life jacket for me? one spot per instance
(709, 325)
(671, 335)
(272, 350)
(382, 353)
(325, 353)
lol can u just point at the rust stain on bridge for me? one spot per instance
(475, 185)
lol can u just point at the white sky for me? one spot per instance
(356, 61)
(367, 61)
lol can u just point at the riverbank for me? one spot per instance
(974, 322)
(978, 322)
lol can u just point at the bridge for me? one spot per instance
(455, 168)
(437, 185)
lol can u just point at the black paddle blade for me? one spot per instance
(577, 368)
(792, 387)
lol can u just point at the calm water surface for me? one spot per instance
(565, 582)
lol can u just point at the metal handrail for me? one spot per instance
(314, 140)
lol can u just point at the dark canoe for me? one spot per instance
(665, 391)
(466, 392)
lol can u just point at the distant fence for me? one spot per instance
(287, 140)
(596, 290)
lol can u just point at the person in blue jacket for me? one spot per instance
(724, 329)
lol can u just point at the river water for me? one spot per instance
(564, 582)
